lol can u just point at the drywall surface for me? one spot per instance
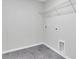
(67, 33)
(22, 23)
(61, 26)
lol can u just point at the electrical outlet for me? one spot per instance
(45, 26)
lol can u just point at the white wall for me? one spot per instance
(66, 22)
(22, 23)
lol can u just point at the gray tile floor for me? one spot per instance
(37, 52)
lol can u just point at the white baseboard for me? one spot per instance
(56, 51)
(12, 50)
(20, 48)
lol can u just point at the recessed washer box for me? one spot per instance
(61, 46)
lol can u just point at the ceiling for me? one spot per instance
(42, 0)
